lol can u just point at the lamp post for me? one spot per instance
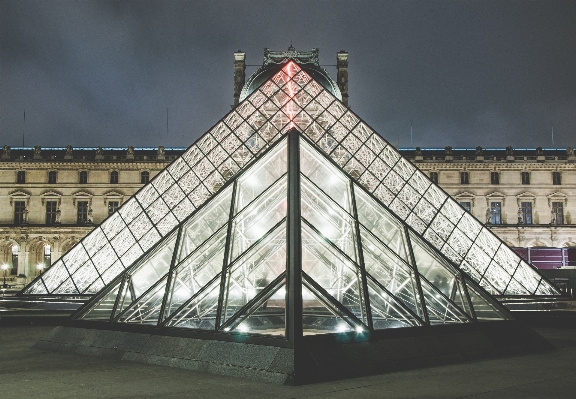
(40, 268)
(5, 268)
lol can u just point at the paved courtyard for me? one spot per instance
(26, 372)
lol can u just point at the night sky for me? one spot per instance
(466, 73)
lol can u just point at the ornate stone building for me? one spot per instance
(50, 198)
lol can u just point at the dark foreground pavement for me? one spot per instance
(31, 373)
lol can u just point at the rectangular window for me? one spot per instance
(51, 209)
(557, 213)
(466, 205)
(556, 178)
(21, 177)
(112, 206)
(19, 212)
(82, 212)
(144, 177)
(52, 175)
(525, 177)
(84, 177)
(114, 177)
(526, 212)
(494, 178)
(434, 177)
(464, 178)
(496, 212)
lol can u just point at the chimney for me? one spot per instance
(239, 74)
(342, 77)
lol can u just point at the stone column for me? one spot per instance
(239, 75)
(342, 76)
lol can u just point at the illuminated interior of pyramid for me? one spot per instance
(227, 267)
(385, 211)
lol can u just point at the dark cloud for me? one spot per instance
(490, 73)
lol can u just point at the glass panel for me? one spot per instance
(151, 269)
(391, 272)
(439, 272)
(325, 176)
(103, 309)
(319, 319)
(484, 309)
(196, 271)
(261, 176)
(269, 317)
(386, 313)
(36, 288)
(254, 271)
(526, 276)
(333, 272)
(84, 276)
(204, 223)
(328, 218)
(147, 309)
(200, 312)
(440, 310)
(67, 287)
(381, 223)
(258, 218)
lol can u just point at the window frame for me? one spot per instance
(527, 212)
(558, 216)
(144, 177)
(21, 177)
(525, 178)
(495, 178)
(82, 207)
(19, 212)
(114, 177)
(51, 215)
(496, 213)
(83, 177)
(111, 206)
(52, 177)
(464, 177)
(434, 177)
(556, 178)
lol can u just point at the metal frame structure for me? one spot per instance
(291, 99)
(348, 291)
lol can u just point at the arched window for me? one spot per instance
(47, 258)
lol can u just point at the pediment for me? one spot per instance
(526, 195)
(113, 194)
(82, 194)
(20, 194)
(465, 194)
(51, 194)
(557, 195)
(496, 194)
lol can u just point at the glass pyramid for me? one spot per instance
(292, 99)
(292, 237)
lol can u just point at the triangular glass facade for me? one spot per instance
(228, 267)
(291, 99)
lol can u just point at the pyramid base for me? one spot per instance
(324, 357)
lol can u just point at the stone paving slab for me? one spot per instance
(26, 372)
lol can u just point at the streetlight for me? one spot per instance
(40, 267)
(5, 268)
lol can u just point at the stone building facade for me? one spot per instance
(50, 198)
